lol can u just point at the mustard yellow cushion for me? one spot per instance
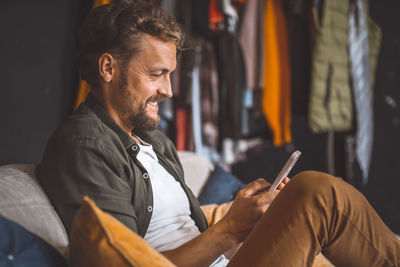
(214, 212)
(98, 239)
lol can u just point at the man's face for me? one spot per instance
(144, 83)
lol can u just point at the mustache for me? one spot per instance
(156, 98)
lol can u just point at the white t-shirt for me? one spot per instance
(171, 225)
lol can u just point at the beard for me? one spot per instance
(141, 120)
(138, 116)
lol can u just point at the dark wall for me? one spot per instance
(38, 79)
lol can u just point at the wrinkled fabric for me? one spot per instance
(233, 83)
(323, 214)
(251, 38)
(276, 99)
(331, 102)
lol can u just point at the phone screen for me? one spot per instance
(285, 170)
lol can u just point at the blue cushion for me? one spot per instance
(19, 247)
(220, 188)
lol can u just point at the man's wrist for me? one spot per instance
(227, 231)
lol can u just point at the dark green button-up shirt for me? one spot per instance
(91, 155)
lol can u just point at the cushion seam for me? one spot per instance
(104, 229)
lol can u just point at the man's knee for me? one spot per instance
(313, 183)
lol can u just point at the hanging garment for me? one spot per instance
(204, 104)
(181, 82)
(196, 111)
(298, 24)
(181, 129)
(232, 77)
(330, 102)
(276, 99)
(215, 16)
(84, 87)
(248, 105)
(360, 81)
(209, 101)
(251, 38)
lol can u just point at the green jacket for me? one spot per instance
(331, 103)
(90, 155)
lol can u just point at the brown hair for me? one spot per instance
(116, 28)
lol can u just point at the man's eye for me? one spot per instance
(156, 74)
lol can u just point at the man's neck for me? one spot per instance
(101, 98)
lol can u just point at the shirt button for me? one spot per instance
(134, 147)
(149, 208)
(145, 175)
(10, 257)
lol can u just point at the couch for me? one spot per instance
(23, 201)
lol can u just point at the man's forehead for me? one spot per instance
(160, 53)
(151, 42)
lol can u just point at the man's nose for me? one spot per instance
(166, 89)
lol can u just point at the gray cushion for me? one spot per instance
(22, 200)
(197, 170)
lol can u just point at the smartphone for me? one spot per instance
(285, 170)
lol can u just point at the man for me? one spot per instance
(110, 150)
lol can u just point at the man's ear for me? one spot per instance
(107, 64)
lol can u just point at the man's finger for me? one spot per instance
(280, 186)
(284, 182)
(256, 186)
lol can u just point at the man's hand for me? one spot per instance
(250, 203)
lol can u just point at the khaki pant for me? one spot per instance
(316, 213)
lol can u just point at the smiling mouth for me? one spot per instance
(154, 104)
(154, 100)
